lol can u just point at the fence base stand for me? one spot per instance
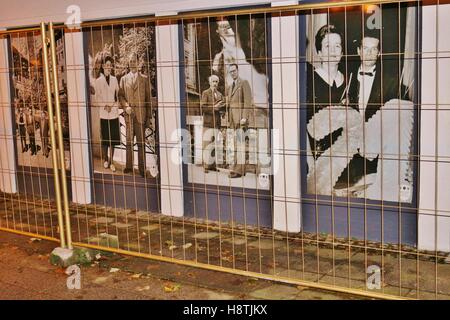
(64, 257)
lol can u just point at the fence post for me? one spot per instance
(60, 136)
(52, 134)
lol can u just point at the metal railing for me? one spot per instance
(314, 220)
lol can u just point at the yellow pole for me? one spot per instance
(52, 135)
(60, 136)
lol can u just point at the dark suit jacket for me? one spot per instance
(383, 89)
(211, 115)
(240, 103)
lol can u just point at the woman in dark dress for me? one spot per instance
(331, 126)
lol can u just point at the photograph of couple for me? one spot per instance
(360, 103)
(122, 86)
(227, 101)
(30, 101)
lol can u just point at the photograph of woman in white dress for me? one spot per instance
(106, 100)
(114, 148)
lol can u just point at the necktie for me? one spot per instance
(232, 87)
(370, 74)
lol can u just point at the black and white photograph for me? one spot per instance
(227, 101)
(30, 101)
(122, 89)
(360, 102)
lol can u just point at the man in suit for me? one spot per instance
(211, 104)
(45, 133)
(135, 99)
(240, 110)
(372, 85)
(31, 130)
(21, 122)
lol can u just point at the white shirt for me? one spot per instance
(365, 88)
(134, 76)
(105, 95)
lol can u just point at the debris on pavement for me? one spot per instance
(143, 288)
(100, 280)
(172, 287)
(187, 245)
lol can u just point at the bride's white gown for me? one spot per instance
(388, 135)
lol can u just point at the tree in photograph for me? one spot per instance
(137, 40)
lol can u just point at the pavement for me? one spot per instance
(317, 258)
(26, 274)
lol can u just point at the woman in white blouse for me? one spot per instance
(106, 99)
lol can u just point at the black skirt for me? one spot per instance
(110, 131)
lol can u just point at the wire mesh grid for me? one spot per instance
(357, 170)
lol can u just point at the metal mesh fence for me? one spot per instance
(295, 155)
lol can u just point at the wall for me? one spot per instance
(25, 13)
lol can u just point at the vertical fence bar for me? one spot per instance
(52, 131)
(60, 136)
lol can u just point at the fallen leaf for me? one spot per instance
(228, 259)
(136, 276)
(98, 256)
(172, 247)
(100, 280)
(187, 245)
(35, 240)
(60, 271)
(143, 288)
(112, 270)
(172, 287)
(169, 243)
